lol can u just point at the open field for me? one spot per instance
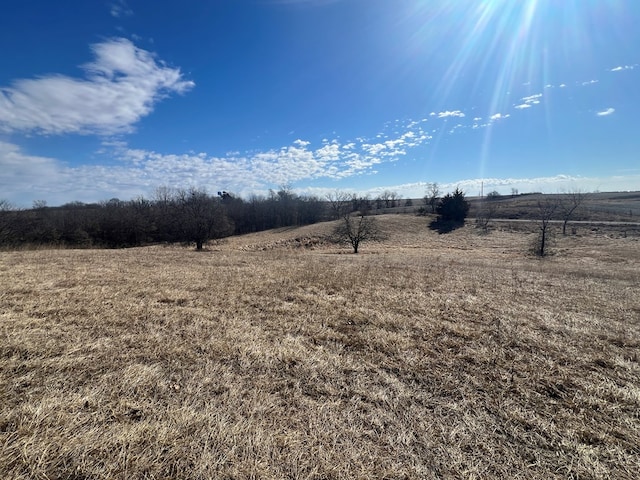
(278, 355)
(596, 207)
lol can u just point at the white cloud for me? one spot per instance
(499, 116)
(455, 113)
(527, 102)
(590, 82)
(29, 177)
(120, 87)
(137, 171)
(622, 68)
(607, 112)
(534, 99)
(26, 178)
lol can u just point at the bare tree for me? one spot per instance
(386, 198)
(546, 210)
(357, 229)
(395, 198)
(569, 203)
(487, 211)
(360, 204)
(5, 205)
(201, 217)
(432, 196)
(340, 203)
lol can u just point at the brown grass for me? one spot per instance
(276, 355)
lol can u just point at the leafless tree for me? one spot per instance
(360, 204)
(395, 198)
(487, 211)
(357, 229)
(569, 204)
(385, 198)
(201, 216)
(164, 196)
(547, 208)
(5, 205)
(340, 203)
(432, 196)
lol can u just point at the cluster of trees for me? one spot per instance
(172, 215)
(186, 215)
(194, 216)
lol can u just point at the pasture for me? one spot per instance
(280, 355)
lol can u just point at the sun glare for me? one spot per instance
(499, 51)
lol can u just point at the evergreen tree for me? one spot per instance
(453, 207)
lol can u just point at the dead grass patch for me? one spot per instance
(427, 356)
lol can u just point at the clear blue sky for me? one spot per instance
(113, 98)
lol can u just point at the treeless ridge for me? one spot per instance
(280, 355)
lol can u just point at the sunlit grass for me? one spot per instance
(276, 355)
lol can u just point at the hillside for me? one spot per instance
(282, 355)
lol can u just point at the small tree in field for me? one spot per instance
(569, 203)
(546, 209)
(357, 229)
(453, 207)
(431, 198)
(486, 212)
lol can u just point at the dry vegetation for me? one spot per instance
(276, 355)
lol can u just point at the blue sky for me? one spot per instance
(114, 98)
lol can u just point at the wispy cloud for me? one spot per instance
(120, 87)
(607, 112)
(590, 82)
(120, 8)
(532, 99)
(527, 102)
(622, 68)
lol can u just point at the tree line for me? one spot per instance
(171, 215)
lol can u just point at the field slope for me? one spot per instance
(279, 355)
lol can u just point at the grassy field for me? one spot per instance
(278, 355)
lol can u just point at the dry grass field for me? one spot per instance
(277, 355)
